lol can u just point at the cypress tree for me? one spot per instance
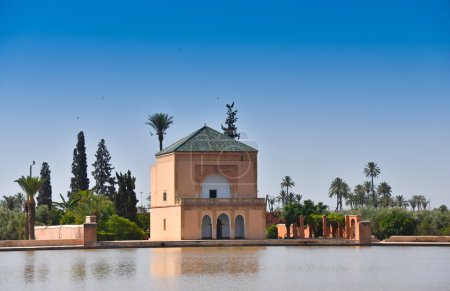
(79, 181)
(45, 193)
(231, 129)
(125, 200)
(102, 170)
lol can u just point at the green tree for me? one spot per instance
(119, 228)
(89, 203)
(368, 189)
(397, 222)
(271, 203)
(351, 200)
(65, 205)
(102, 171)
(10, 202)
(360, 195)
(401, 202)
(125, 199)
(160, 122)
(79, 181)
(12, 224)
(413, 203)
(230, 129)
(373, 171)
(45, 193)
(340, 189)
(30, 185)
(287, 183)
(290, 214)
(385, 191)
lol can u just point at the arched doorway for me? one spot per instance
(215, 186)
(223, 227)
(206, 227)
(239, 230)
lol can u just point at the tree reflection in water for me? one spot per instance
(172, 262)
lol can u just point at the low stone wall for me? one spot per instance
(40, 243)
(418, 239)
(59, 235)
(59, 232)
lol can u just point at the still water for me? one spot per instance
(249, 268)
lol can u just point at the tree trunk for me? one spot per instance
(160, 138)
(31, 217)
(373, 196)
(288, 231)
(25, 208)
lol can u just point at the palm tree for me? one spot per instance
(385, 191)
(372, 170)
(298, 198)
(282, 197)
(400, 201)
(30, 185)
(271, 202)
(368, 188)
(417, 200)
(423, 202)
(340, 189)
(66, 205)
(413, 203)
(160, 122)
(350, 200)
(287, 183)
(360, 195)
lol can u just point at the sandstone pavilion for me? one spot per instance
(204, 186)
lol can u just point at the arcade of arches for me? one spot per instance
(223, 229)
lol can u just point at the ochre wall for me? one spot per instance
(163, 177)
(172, 215)
(240, 169)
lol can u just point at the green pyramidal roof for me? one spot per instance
(207, 139)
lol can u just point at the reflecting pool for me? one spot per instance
(229, 268)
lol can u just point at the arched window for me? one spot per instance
(215, 186)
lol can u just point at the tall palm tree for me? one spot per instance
(287, 183)
(340, 189)
(372, 170)
(160, 122)
(385, 191)
(400, 201)
(30, 185)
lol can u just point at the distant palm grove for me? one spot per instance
(389, 213)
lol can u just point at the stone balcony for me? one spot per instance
(220, 201)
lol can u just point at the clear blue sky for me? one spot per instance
(321, 87)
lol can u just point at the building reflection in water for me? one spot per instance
(29, 270)
(78, 270)
(35, 271)
(172, 262)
